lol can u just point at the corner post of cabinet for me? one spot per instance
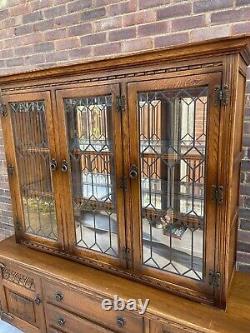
(225, 175)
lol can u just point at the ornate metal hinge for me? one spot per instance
(222, 95)
(3, 110)
(214, 279)
(120, 103)
(218, 193)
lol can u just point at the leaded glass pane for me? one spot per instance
(33, 160)
(172, 154)
(89, 125)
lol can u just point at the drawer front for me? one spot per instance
(53, 330)
(58, 319)
(157, 327)
(90, 307)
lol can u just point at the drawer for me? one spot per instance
(53, 330)
(158, 327)
(58, 319)
(90, 307)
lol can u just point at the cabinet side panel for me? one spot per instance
(235, 175)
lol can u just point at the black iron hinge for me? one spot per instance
(124, 184)
(222, 95)
(18, 225)
(218, 193)
(10, 169)
(120, 103)
(3, 110)
(126, 254)
(214, 279)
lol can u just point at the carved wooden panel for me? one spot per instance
(21, 306)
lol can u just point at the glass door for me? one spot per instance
(93, 194)
(30, 154)
(173, 153)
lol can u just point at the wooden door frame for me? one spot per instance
(14, 181)
(86, 255)
(172, 281)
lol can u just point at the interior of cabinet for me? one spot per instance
(121, 169)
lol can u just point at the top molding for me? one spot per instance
(215, 47)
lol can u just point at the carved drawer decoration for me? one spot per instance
(18, 278)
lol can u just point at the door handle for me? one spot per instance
(64, 167)
(53, 165)
(133, 172)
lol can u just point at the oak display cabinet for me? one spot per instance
(131, 165)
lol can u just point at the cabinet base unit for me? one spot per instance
(132, 166)
(42, 293)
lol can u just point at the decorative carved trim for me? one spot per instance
(118, 76)
(216, 47)
(18, 278)
(108, 268)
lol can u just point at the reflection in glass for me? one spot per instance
(89, 123)
(33, 160)
(172, 150)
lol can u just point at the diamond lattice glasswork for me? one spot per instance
(33, 160)
(172, 150)
(89, 123)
